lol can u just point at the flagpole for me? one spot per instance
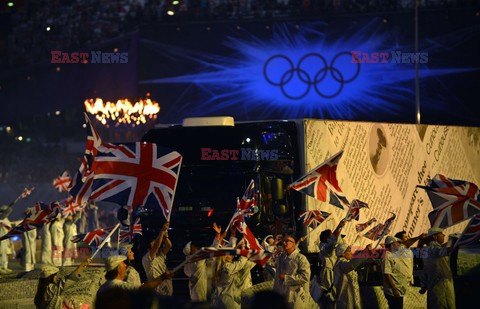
(175, 190)
(187, 260)
(105, 240)
(118, 238)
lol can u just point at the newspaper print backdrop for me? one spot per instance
(382, 164)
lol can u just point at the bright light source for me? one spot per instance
(248, 139)
(170, 12)
(10, 4)
(176, 2)
(48, 28)
(20, 138)
(28, 139)
(57, 113)
(58, 69)
(8, 129)
(115, 50)
(84, 126)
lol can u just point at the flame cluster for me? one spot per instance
(123, 112)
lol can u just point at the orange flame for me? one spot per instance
(123, 112)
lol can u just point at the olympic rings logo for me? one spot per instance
(304, 76)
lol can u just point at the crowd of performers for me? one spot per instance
(220, 280)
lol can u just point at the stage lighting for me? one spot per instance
(48, 28)
(170, 12)
(176, 2)
(10, 4)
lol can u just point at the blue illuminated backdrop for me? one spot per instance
(303, 71)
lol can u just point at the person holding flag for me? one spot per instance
(29, 246)
(227, 294)
(196, 273)
(395, 278)
(50, 287)
(116, 270)
(132, 276)
(347, 291)
(437, 273)
(328, 242)
(292, 276)
(154, 260)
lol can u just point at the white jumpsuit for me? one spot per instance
(296, 285)
(46, 257)
(56, 230)
(197, 280)
(29, 248)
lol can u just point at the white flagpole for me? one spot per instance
(105, 240)
(187, 260)
(175, 190)
(118, 238)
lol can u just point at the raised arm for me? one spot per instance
(158, 241)
(81, 267)
(409, 242)
(168, 244)
(157, 281)
(339, 228)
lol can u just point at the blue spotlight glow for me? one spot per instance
(303, 72)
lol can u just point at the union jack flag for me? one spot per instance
(136, 174)
(453, 201)
(442, 184)
(37, 216)
(248, 203)
(26, 192)
(380, 230)
(471, 234)
(126, 235)
(250, 238)
(246, 207)
(94, 238)
(457, 209)
(354, 210)
(258, 256)
(81, 185)
(62, 182)
(71, 207)
(313, 218)
(362, 226)
(321, 183)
